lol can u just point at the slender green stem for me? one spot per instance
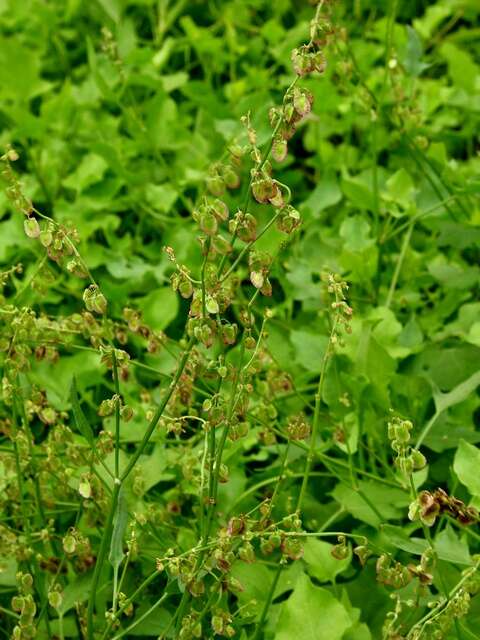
(221, 445)
(247, 247)
(60, 626)
(104, 546)
(31, 563)
(316, 415)
(117, 414)
(159, 412)
(120, 480)
(129, 600)
(281, 474)
(264, 483)
(426, 429)
(141, 618)
(204, 266)
(400, 261)
(30, 280)
(420, 625)
(268, 601)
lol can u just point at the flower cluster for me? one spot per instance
(407, 459)
(429, 506)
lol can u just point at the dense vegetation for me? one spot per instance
(239, 319)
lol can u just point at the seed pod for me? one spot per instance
(279, 149)
(236, 526)
(246, 227)
(85, 489)
(127, 413)
(223, 474)
(216, 185)
(69, 543)
(219, 209)
(277, 197)
(302, 101)
(292, 548)
(220, 245)
(257, 279)
(301, 63)
(185, 288)
(31, 227)
(217, 625)
(264, 188)
(418, 459)
(363, 553)
(46, 237)
(288, 219)
(238, 430)
(94, 300)
(55, 599)
(229, 333)
(247, 553)
(319, 62)
(341, 550)
(231, 178)
(208, 223)
(266, 289)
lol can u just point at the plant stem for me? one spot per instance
(141, 618)
(104, 545)
(398, 267)
(117, 414)
(159, 412)
(247, 247)
(426, 429)
(268, 601)
(107, 534)
(129, 600)
(316, 414)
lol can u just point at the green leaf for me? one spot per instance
(358, 192)
(466, 465)
(8, 571)
(373, 361)
(451, 548)
(325, 195)
(19, 71)
(160, 307)
(388, 501)
(78, 590)
(356, 233)
(161, 196)
(413, 55)
(115, 555)
(309, 349)
(358, 632)
(320, 562)
(399, 539)
(90, 170)
(154, 468)
(81, 421)
(112, 8)
(400, 188)
(153, 624)
(460, 393)
(461, 66)
(432, 17)
(256, 580)
(314, 611)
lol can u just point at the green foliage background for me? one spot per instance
(385, 173)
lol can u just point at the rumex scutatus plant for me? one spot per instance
(96, 550)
